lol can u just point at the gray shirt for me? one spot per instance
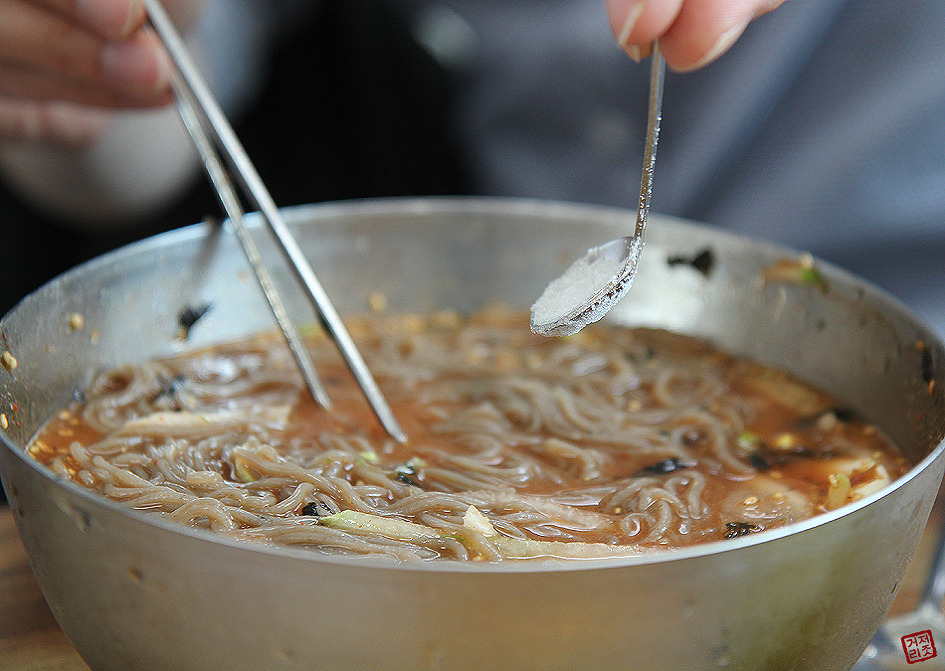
(823, 127)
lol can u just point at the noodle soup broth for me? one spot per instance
(191, 533)
(613, 442)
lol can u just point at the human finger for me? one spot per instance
(706, 29)
(118, 19)
(110, 19)
(691, 33)
(49, 122)
(22, 84)
(638, 23)
(40, 41)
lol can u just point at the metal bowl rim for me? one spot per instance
(510, 206)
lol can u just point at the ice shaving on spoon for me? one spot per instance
(587, 289)
(593, 284)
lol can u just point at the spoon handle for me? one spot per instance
(657, 73)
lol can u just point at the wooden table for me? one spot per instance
(30, 639)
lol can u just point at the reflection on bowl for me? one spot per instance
(136, 592)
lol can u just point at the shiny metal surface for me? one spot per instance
(229, 199)
(134, 593)
(885, 652)
(207, 115)
(601, 297)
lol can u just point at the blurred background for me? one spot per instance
(823, 127)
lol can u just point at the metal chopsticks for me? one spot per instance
(229, 198)
(210, 131)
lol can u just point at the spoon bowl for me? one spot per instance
(588, 289)
(593, 284)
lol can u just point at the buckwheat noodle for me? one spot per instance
(610, 443)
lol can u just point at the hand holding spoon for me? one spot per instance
(593, 284)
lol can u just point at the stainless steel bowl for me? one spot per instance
(132, 592)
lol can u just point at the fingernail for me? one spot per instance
(628, 25)
(110, 18)
(638, 53)
(726, 40)
(137, 66)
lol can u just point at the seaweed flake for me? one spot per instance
(189, 316)
(928, 370)
(406, 472)
(664, 466)
(316, 509)
(703, 261)
(843, 414)
(171, 390)
(172, 386)
(759, 461)
(736, 529)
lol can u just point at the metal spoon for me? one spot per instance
(593, 284)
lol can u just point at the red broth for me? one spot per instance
(611, 442)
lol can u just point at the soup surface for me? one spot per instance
(611, 442)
